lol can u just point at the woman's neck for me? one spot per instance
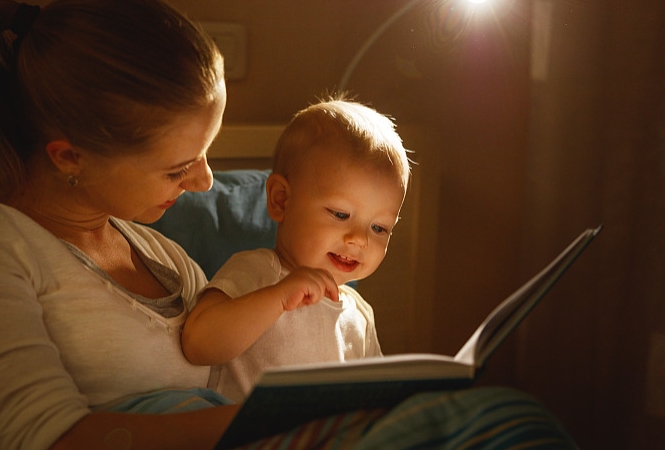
(52, 204)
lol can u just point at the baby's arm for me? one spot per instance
(219, 328)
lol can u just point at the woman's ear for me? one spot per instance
(64, 157)
(277, 190)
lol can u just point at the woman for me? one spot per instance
(108, 108)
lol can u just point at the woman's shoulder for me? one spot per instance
(16, 225)
(10, 215)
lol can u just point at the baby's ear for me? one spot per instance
(277, 191)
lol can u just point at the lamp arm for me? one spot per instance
(344, 81)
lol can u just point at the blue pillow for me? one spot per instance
(230, 217)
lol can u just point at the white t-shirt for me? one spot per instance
(71, 338)
(325, 331)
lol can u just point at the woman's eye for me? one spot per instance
(339, 215)
(177, 176)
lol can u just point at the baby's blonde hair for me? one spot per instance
(368, 135)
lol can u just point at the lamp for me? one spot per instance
(348, 72)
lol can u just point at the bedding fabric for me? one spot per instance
(477, 418)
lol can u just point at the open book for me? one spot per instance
(289, 396)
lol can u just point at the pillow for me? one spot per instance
(230, 217)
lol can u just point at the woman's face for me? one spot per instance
(143, 186)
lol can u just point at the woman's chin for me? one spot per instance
(150, 216)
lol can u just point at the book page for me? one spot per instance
(505, 317)
(386, 368)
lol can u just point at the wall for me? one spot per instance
(594, 351)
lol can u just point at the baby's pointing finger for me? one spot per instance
(332, 291)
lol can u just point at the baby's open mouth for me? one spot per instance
(343, 263)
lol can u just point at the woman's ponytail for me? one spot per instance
(15, 20)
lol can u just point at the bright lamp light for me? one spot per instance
(346, 76)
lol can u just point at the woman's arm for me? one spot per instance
(219, 328)
(119, 431)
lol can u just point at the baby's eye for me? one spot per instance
(338, 214)
(378, 229)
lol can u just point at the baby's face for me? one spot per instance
(339, 217)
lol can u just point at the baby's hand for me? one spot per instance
(306, 286)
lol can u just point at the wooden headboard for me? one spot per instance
(244, 146)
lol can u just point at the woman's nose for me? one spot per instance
(199, 178)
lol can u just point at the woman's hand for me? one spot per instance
(115, 431)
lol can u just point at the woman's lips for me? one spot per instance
(342, 263)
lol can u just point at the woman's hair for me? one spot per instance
(105, 75)
(337, 124)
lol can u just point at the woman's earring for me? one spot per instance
(72, 181)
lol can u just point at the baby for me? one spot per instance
(340, 174)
